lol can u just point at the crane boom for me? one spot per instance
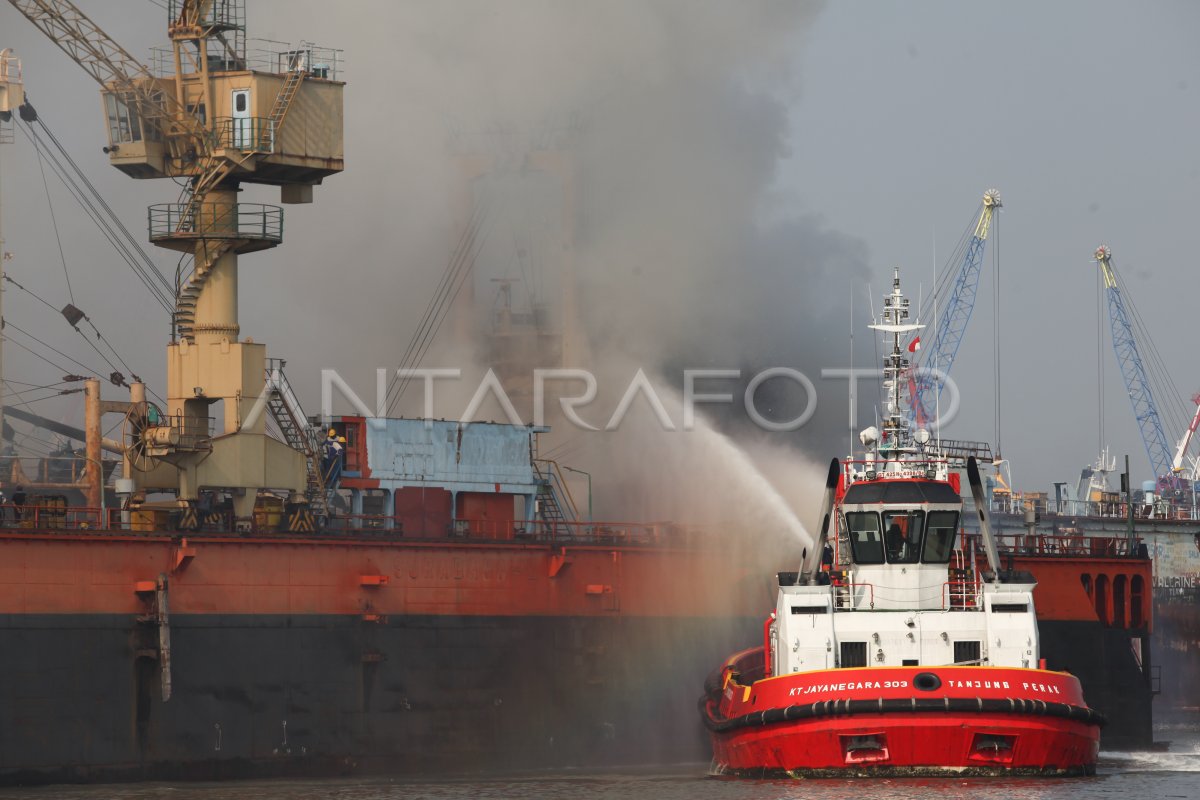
(924, 390)
(81, 39)
(1181, 450)
(1145, 411)
(119, 72)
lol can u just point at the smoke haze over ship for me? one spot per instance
(878, 145)
(673, 117)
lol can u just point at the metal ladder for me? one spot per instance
(552, 511)
(299, 435)
(283, 100)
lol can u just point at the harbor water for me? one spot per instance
(1174, 773)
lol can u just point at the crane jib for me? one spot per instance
(1133, 371)
(925, 388)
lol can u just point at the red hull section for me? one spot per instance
(901, 721)
(49, 572)
(910, 744)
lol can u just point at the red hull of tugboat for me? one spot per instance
(900, 721)
(914, 744)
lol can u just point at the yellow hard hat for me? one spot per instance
(342, 439)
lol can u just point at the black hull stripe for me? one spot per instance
(952, 705)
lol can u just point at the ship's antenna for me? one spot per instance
(894, 325)
(875, 341)
(937, 394)
(894, 400)
(850, 383)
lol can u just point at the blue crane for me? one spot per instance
(925, 386)
(1134, 371)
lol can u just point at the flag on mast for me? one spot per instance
(915, 344)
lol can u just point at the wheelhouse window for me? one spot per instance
(939, 537)
(124, 126)
(866, 537)
(902, 538)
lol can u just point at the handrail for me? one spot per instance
(969, 594)
(538, 530)
(277, 379)
(1160, 509)
(849, 595)
(194, 433)
(214, 220)
(64, 470)
(558, 478)
(920, 458)
(35, 517)
(10, 69)
(1066, 545)
(265, 55)
(271, 522)
(248, 134)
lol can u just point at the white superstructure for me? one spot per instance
(903, 588)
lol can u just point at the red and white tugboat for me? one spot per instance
(909, 661)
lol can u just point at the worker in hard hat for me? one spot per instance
(331, 459)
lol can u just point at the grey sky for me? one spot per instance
(1085, 116)
(897, 117)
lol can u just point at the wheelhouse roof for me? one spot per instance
(900, 492)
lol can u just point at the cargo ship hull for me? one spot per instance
(1173, 549)
(259, 695)
(296, 656)
(132, 657)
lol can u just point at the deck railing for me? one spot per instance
(958, 592)
(848, 595)
(248, 134)
(961, 594)
(34, 517)
(272, 522)
(1160, 509)
(1065, 546)
(216, 221)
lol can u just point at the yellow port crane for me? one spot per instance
(214, 115)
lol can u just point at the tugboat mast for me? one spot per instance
(894, 322)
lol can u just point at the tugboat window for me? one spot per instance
(939, 537)
(866, 537)
(903, 537)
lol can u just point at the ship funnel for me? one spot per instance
(985, 525)
(811, 568)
